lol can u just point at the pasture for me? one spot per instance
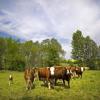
(87, 88)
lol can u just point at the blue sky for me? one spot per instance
(42, 19)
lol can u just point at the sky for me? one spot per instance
(37, 20)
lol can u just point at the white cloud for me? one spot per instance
(41, 19)
(68, 49)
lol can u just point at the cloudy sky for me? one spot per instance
(42, 19)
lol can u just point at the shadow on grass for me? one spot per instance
(57, 87)
(61, 85)
(44, 85)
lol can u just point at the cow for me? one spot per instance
(44, 75)
(10, 79)
(62, 73)
(29, 76)
(79, 71)
(50, 75)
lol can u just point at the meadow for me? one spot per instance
(87, 88)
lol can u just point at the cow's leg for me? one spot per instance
(74, 75)
(45, 82)
(52, 81)
(27, 86)
(68, 83)
(81, 75)
(55, 81)
(30, 85)
(64, 82)
(48, 82)
(49, 85)
(77, 74)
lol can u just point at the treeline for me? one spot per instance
(15, 55)
(85, 51)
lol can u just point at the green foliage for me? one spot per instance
(2, 51)
(51, 52)
(16, 56)
(77, 45)
(85, 50)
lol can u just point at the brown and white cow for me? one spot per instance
(52, 74)
(62, 73)
(79, 71)
(44, 75)
(29, 76)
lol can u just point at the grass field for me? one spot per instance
(87, 88)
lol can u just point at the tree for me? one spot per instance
(16, 55)
(90, 52)
(51, 52)
(2, 51)
(77, 46)
(84, 49)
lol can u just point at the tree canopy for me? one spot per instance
(85, 50)
(16, 55)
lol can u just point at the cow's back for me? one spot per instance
(60, 72)
(43, 72)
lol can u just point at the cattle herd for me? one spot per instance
(50, 75)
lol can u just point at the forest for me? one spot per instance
(16, 55)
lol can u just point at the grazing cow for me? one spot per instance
(29, 77)
(79, 71)
(62, 73)
(44, 75)
(10, 79)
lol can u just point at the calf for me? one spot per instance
(10, 79)
(29, 77)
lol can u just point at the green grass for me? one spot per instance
(87, 88)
